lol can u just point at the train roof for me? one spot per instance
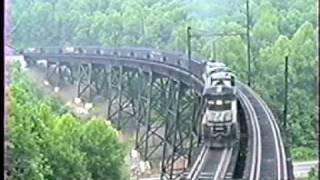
(215, 64)
(222, 75)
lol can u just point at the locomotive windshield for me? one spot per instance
(219, 105)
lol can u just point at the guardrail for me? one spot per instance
(301, 169)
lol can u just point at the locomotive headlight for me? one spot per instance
(219, 102)
(69, 49)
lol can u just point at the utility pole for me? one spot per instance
(189, 45)
(285, 94)
(287, 137)
(248, 42)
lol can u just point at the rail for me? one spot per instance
(256, 152)
(272, 156)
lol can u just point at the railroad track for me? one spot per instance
(273, 158)
(281, 155)
(255, 164)
(211, 164)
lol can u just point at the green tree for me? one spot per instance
(51, 144)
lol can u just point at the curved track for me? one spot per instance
(267, 159)
(256, 136)
(273, 157)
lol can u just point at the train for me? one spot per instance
(219, 122)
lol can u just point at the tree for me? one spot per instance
(51, 144)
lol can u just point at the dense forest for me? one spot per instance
(47, 142)
(278, 28)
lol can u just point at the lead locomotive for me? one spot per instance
(219, 123)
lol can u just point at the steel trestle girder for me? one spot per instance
(152, 101)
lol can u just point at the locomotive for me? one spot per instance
(219, 123)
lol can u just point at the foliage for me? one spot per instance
(303, 153)
(278, 28)
(313, 174)
(51, 144)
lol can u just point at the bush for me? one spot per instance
(303, 153)
(313, 174)
(49, 143)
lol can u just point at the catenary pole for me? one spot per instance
(285, 93)
(248, 43)
(189, 44)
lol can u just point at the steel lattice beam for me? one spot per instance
(153, 102)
